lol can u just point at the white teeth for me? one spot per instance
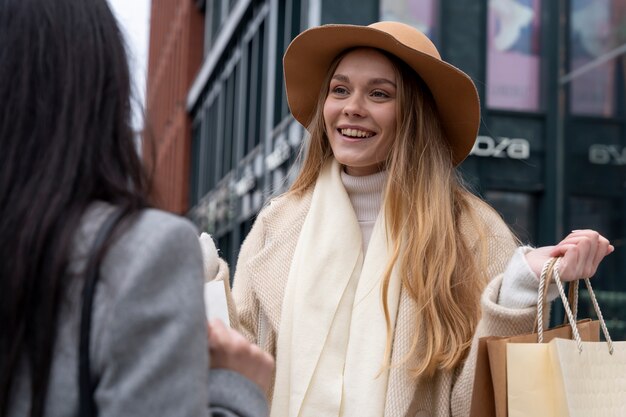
(356, 133)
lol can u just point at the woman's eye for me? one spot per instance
(379, 94)
(340, 90)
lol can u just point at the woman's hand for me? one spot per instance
(230, 350)
(582, 252)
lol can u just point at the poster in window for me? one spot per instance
(421, 14)
(513, 55)
(596, 27)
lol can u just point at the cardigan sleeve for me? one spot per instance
(520, 284)
(243, 294)
(154, 344)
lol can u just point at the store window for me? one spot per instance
(196, 161)
(421, 14)
(597, 32)
(518, 210)
(513, 55)
(606, 216)
(289, 17)
(213, 22)
(254, 87)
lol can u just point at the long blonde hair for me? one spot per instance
(424, 201)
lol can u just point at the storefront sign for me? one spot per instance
(607, 154)
(487, 146)
(279, 155)
(246, 183)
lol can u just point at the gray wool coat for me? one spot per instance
(149, 347)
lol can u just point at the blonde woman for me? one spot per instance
(371, 279)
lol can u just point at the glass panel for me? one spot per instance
(216, 17)
(295, 18)
(196, 160)
(254, 80)
(513, 54)
(422, 14)
(210, 163)
(227, 138)
(605, 216)
(518, 211)
(208, 27)
(262, 90)
(288, 28)
(251, 87)
(597, 28)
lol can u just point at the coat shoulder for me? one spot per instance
(285, 212)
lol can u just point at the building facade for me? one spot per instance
(551, 152)
(175, 55)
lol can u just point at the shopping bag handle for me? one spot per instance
(542, 303)
(551, 271)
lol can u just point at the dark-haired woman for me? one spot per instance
(68, 161)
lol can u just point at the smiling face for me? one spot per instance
(360, 111)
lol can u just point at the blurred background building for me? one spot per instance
(551, 151)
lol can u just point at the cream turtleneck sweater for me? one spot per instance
(366, 195)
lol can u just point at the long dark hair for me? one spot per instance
(65, 141)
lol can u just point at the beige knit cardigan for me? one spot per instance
(260, 281)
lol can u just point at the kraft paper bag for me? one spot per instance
(497, 351)
(483, 404)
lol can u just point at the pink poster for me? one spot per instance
(421, 14)
(595, 28)
(513, 55)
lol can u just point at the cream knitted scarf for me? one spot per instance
(332, 336)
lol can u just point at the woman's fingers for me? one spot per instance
(230, 350)
(582, 252)
(578, 235)
(217, 334)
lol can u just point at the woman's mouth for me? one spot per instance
(356, 133)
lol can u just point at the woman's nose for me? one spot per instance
(354, 106)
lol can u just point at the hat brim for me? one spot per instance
(311, 53)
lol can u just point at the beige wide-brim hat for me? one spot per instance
(311, 53)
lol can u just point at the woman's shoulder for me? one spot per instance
(288, 201)
(280, 217)
(285, 209)
(147, 222)
(154, 222)
(148, 232)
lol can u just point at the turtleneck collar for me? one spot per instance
(366, 193)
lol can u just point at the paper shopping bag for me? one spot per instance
(589, 381)
(530, 382)
(489, 396)
(497, 352)
(567, 378)
(483, 404)
(558, 380)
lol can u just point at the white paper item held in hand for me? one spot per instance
(215, 301)
(209, 256)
